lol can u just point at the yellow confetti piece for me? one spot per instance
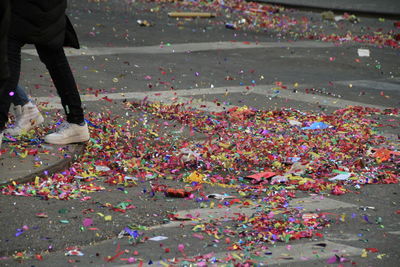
(108, 218)
(195, 177)
(277, 164)
(23, 155)
(37, 164)
(224, 145)
(242, 194)
(380, 256)
(198, 227)
(212, 204)
(100, 214)
(153, 133)
(364, 253)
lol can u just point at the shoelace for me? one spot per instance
(63, 126)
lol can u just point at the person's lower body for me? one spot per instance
(75, 130)
(27, 115)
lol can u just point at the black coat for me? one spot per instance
(42, 22)
(4, 22)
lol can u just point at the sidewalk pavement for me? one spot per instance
(21, 161)
(372, 7)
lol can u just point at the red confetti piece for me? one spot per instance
(107, 99)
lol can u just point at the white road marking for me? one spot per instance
(341, 237)
(315, 99)
(176, 96)
(304, 252)
(185, 48)
(194, 216)
(318, 203)
(376, 85)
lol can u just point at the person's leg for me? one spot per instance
(4, 107)
(75, 130)
(14, 65)
(60, 71)
(27, 115)
(20, 98)
(3, 112)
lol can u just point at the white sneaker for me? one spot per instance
(68, 133)
(27, 117)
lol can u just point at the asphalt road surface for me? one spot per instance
(287, 62)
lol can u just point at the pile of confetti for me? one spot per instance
(265, 155)
(301, 150)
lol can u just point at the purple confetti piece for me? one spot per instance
(132, 233)
(333, 259)
(19, 232)
(87, 222)
(366, 218)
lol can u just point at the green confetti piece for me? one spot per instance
(63, 211)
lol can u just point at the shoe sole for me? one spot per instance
(67, 141)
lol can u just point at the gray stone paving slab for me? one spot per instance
(48, 159)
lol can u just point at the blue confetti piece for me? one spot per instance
(316, 126)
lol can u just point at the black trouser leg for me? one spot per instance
(14, 65)
(4, 107)
(60, 71)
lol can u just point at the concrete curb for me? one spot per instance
(56, 167)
